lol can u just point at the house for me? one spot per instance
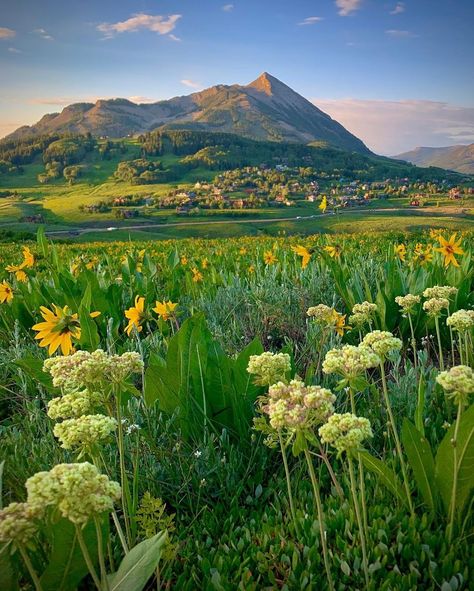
(454, 193)
(415, 202)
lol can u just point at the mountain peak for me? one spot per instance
(266, 83)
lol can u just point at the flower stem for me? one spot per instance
(359, 520)
(319, 506)
(413, 340)
(87, 557)
(100, 549)
(30, 567)
(440, 348)
(123, 473)
(452, 505)
(397, 440)
(288, 482)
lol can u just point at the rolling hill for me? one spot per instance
(265, 109)
(458, 158)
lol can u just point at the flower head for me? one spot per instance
(382, 343)
(440, 291)
(458, 383)
(400, 251)
(434, 306)
(135, 315)
(304, 253)
(269, 258)
(84, 432)
(350, 361)
(72, 405)
(407, 302)
(17, 523)
(345, 431)
(449, 248)
(296, 406)
(269, 368)
(165, 310)
(334, 251)
(79, 491)
(462, 320)
(6, 293)
(58, 330)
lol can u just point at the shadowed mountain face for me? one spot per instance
(265, 109)
(458, 158)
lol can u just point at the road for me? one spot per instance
(85, 230)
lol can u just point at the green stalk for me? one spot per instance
(361, 471)
(30, 567)
(100, 548)
(123, 474)
(288, 481)
(452, 505)
(334, 479)
(359, 520)
(319, 506)
(397, 440)
(413, 341)
(440, 348)
(87, 557)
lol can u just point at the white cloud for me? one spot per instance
(6, 33)
(140, 100)
(311, 20)
(64, 101)
(400, 33)
(347, 6)
(44, 34)
(14, 50)
(399, 8)
(191, 83)
(393, 127)
(173, 37)
(156, 23)
(228, 7)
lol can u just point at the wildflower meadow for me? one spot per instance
(251, 413)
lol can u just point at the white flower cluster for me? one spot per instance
(407, 302)
(86, 370)
(462, 320)
(434, 306)
(345, 431)
(440, 291)
(79, 491)
(350, 361)
(17, 523)
(294, 405)
(458, 383)
(362, 314)
(382, 342)
(85, 431)
(321, 314)
(72, 405)
(269, 368)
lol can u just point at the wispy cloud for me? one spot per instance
(191, 83)
(173, 37)
(346, 7)
(156, 23)
(140, 100)
(6, 33)
(393, 127)
(44, 34)
(63, 101)
(400, 33)
(399, 8)
(14, 50)
(228, 7)
(311, 20)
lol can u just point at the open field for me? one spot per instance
(325, 463)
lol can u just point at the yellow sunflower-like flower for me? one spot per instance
(6, 293)
(400, 251)
(269, 258)
(19, 273)
(165, 310)
(449, 248)
(340, 323)
(304, 253)
(135, 315)
(28, 258)
(59, 328)
(197, 275)
(421, 255)
(333, 251)
(324, 204)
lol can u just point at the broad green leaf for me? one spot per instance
(138, 565)
(89, 335)
(420, 406)
(66, 567)
(386, 476)
(465, 462)
(33, 367)
(421, 461)
(42, 242)
(9, 574)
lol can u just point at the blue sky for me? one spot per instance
(382, 68)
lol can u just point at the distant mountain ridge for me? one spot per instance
(265, 109)
(458, 158)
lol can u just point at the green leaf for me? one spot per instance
(445, 466)
(299, 444)
(138, 565)
(420, 406)
(9, 575)
(421, 461)
(2, 465)
(66, 567)
(385, 475)
(89, 335)
(33, 367)
(42, 242)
